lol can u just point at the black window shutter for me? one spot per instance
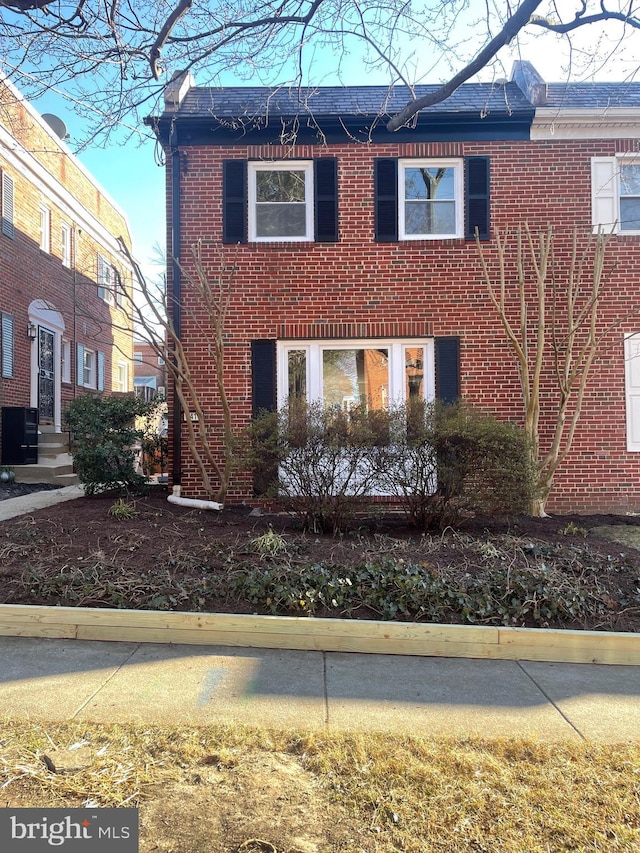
(447, 369)
(325, 176)
(477, 198)
(263, 376)
(234, 201)
(386, 199)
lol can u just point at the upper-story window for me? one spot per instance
(434, 199)
(109, 283)
(615, 192)
(65, 243)
(45, 228)
(630, 197)
(274, 201)
(431, 199)
(8, 228)
(281, 201)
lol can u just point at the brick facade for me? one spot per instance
(357, 288)
(49, 282)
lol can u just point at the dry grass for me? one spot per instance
(293, 793)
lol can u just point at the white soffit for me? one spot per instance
(607, 123)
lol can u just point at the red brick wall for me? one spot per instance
(436, 284)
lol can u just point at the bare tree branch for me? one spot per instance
(512, 27)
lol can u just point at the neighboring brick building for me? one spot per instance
(65, 282)
(149, 371)
(352, 241)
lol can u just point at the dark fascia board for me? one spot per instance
(440, 127)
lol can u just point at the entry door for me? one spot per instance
(46, 376)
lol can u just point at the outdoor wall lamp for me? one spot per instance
(32, 331)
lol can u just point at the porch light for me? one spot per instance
(32, 331)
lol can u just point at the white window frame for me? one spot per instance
(106, 283)
(285, 166)
(457, 164)
(396, 348)
(65, 243)
(89, 371)
(121, 376)
(45, 228)
(65, 358)
(137, 357)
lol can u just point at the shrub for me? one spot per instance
(104, 439)
(438, 461)
(447, 460)
(324, 461)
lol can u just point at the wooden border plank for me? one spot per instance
(308, 633)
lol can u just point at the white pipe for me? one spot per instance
(194, 503)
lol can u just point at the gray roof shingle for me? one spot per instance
(238, 102)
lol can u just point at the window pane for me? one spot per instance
(280, 186)
(356, 377)
(429, 217)
(429, 183)
(630, 214)
(281, 220)
(297, 372)
(414, 372)
(630, 179)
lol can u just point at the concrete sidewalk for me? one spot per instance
(25, 504)
(47, 679)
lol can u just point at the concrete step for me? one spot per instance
(52, 444)
(58, 470)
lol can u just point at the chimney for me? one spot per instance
(533, 87)
(176, 89)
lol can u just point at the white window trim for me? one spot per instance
(45, 228)
(89, 365)
(632, 390)
(105, 280)
(395, 346)
(122, 369)
(65, 241)
(65, 356)
(458, 188)
(284, 166)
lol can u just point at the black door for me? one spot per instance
(46, 376)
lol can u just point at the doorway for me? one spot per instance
(46, 376)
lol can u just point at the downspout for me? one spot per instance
(176, 473)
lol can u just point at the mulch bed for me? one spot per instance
(170, 557)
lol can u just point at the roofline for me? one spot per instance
(430, 127)
(35, 115)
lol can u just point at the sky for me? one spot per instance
(131, 175)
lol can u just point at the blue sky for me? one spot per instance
(131, 175)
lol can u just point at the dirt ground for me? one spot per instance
(167, 557)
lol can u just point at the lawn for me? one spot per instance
(565, 571)
(235, 789)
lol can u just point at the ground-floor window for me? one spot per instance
(373, 374)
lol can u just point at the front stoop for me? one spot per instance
(55, 465)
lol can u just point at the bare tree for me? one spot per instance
(549, 309)
(114, 58)
(206, 308)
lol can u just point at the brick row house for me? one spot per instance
(65, 288)
(358, 277)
